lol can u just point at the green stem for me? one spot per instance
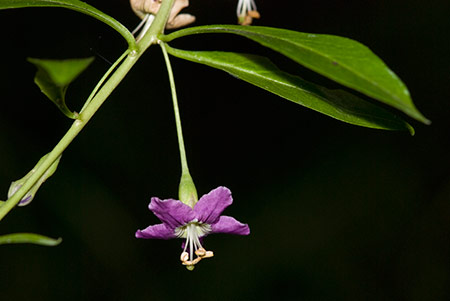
(184, 165)
(102, 80)
(92, 107)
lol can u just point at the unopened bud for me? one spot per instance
(28, 197)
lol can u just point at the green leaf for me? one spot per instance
(261, 72)
(54, 76)
(77, 6)
(30, 238)
(343, 60)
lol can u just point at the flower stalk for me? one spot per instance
(187, 192)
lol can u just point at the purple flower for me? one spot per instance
(182, 221)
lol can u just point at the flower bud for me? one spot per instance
(28, 197)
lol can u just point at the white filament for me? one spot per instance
(192, 232)
(244, 6)
(146, 22)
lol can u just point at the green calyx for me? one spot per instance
(187, 192)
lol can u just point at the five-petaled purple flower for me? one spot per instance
(182, 221)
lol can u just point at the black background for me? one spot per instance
(337, 212)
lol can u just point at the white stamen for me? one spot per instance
(244, 6)
(246, 12)
(147, 22)
(140, 24)
(192, 232)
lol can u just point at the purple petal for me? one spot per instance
(172, 213)
(228, 224)
(159, 231)
(210, 206)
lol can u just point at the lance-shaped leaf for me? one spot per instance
(54, 76)
(261, 72)
(77, 6)
(29, 238)
(341, 59)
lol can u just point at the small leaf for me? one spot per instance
(30, 238)
(261, 72)
(341, 59)
(78, 6)
(54, 76)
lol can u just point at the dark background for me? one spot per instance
(337, 212)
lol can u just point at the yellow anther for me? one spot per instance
(196, 260)
(184, 256)
(254, 14)
(200, 252)
(192, 262)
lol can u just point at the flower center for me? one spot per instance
(192, 232)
